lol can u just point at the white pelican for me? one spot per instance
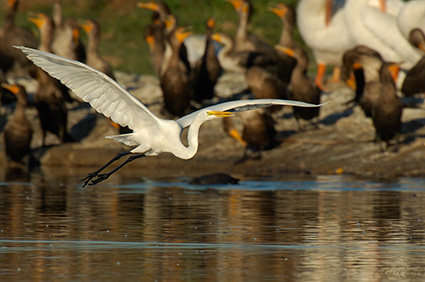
(373, 27)
(411, 16)
(326, 34)
(151, 135)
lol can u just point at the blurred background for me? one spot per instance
(122, 24)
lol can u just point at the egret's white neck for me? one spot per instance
(188, 152)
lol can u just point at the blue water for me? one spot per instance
(307, 183)
(292, 228)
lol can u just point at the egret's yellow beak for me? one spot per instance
(220, 114)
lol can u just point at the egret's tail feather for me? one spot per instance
(126, 139)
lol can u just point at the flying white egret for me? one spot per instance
(151, 135)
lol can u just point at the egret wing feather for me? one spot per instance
(103, 93)
(244, 105)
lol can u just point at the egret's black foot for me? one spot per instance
(88, 178)
(99, 178)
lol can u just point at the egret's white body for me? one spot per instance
(151, 135)
(379, 30)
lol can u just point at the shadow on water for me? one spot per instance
(324, 228)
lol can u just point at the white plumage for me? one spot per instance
(328, 42)
(151, 135)
(376, 29)
(411, 16)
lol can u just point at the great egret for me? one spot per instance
(151, 135)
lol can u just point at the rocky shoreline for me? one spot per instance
(342, 143)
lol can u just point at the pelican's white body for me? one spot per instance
(411, 16)
(328, 43)
(375, 29)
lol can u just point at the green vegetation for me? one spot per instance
(123, 24)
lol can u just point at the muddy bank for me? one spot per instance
(342, 143)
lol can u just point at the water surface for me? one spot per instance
(325, 228)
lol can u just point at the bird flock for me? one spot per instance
(375, 47)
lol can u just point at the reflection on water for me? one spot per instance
(315, 229)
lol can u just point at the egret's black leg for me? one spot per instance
(95, 173)
(103, 176)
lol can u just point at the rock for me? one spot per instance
(214, 178)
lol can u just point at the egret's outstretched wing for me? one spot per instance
(244, 105)
(103, 93)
